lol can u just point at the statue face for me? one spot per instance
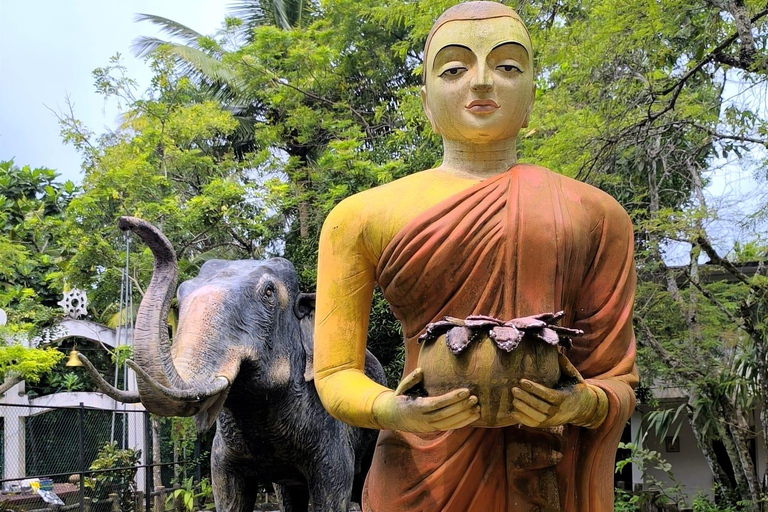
(479, 80)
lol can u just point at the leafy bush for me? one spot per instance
(189, 492)
(121, 480)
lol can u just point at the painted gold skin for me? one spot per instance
(478, 94)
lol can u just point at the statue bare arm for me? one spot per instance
(344, 289)
(346, 267)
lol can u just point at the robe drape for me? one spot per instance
(524, 242)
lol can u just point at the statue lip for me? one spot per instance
(482, 106)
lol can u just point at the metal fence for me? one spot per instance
(92, 460)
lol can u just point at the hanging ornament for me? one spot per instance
(73, 303)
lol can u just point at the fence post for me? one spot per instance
(87, 505)
(113, 497)
(139, 499)
(148, 458)
(178, 500)
(160, 499)
(81, 448)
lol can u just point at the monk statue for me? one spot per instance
(482, 238)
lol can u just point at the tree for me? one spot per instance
(31, 206)
(169, 163)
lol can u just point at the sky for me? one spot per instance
(48, 49)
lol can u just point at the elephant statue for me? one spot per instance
(242, 358)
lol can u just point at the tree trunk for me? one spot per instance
(739, 429)
(157, 481)
(733, 455)
(705, 445)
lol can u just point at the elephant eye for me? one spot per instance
(268, 292)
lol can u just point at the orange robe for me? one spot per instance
(523, 242)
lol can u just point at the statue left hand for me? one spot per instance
(539, 406)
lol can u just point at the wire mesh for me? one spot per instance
(91, 459)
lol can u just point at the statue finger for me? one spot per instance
(567, 368)
(547, 394)
(452, 409)
(537, 403)
(438, 402)
(523, 419)
(529, 411)
(409, 381)
(458, 420)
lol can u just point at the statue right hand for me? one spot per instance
(394, 410)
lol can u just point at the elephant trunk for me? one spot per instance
(162, 390)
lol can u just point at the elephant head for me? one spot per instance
(235, 318)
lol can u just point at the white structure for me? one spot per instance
(14, 417)
(689, 466)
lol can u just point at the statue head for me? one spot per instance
(478, 73)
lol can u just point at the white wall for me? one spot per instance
(688, 465)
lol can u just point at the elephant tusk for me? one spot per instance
(199, 394)
(127, 397)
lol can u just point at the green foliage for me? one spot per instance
(31, 206)
(68, 381)
(120, 354)
(658, 491)
(28, 363)
(171, 164)
(121, 480)
(190, 491)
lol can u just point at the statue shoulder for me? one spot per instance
(377, 204)
(594, 199)
(372, 217)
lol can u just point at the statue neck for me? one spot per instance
(478, 161)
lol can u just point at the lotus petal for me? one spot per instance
(507, 338)
(546, 334)
(458, 339)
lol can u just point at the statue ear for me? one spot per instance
(530, 107)
(427, 110)
(304, 309)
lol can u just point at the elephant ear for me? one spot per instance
(304, 308)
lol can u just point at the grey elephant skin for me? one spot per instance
(242, 358)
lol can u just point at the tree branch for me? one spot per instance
(9, 383)
(281, 81)
(716, 259)
(663, 353)
(711, 56)
(706, 293)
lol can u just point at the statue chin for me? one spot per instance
(489, 372)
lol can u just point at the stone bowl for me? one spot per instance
(488, 372)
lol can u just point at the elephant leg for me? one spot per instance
(234, 490)
(330, 485)
(292, 498)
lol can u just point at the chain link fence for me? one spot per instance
(95, 460)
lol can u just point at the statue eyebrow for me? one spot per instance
(513, 43)
(450, 47)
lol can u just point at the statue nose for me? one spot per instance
(483, 86)
(482, 82)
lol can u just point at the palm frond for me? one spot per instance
(284, 14)
(201, 62)
(144, 45)
(172, 28)
(252, 13)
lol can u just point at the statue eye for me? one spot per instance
(453, 71)
(508, 68)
